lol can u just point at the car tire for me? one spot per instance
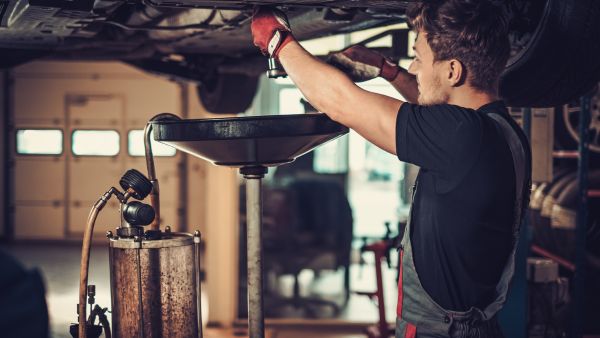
(566, 127)
(561, 59)
(227, 93)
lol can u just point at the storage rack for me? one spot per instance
(582, 156)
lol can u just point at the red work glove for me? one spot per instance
(362, 64)
(270, 30)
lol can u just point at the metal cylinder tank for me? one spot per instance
(155, 286)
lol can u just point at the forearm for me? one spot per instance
(406, 84)
(325, 87)
(330, 91)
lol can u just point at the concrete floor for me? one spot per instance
(59, 265)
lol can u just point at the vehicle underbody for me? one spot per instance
(553, 59)
(125, 30)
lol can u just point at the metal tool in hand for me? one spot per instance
(275, 70)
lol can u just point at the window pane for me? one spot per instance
(95, 142)
(324, 45)
(373, 187)
(289, 101)
(386, 41)
(39, 142)
(332, 157)
(135, 145)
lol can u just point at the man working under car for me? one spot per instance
(457, 254)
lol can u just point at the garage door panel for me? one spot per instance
(137, 164)
(169, 185)
(84, 108)
(108, 219)
(92, 177)
(61, 192)
(39, 222)
(80, 94)
(166, 170)
(148, 98)
(39, 179)
(48, 104)
(168, 215)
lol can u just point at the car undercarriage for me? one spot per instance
(109, 29)
(200, 40)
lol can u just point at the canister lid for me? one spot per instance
(173, 239)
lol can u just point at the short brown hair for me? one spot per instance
(472, 31)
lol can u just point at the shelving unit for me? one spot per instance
(584, 194)
(565, 154)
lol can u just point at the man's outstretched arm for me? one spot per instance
(362, 64)
(330, 91)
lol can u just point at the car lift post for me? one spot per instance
(253, 176)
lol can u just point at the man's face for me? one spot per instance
(429, 74)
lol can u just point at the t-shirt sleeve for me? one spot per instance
(443, 139)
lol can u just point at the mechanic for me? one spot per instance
(457, 254)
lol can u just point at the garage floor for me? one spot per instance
(59, 265)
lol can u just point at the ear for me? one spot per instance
(456, 73)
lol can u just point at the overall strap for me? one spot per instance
(520, 166)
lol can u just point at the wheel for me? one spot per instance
(570, 115)
(555, 52)
(226, 93)
(566, 127)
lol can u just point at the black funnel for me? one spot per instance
(249, 141)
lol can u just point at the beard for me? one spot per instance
(432, 93)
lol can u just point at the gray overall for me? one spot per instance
(418, 314)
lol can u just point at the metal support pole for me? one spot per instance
(527, 123)
(581, 226)
(383, 326)
(256, 323)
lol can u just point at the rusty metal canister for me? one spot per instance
(154, 286)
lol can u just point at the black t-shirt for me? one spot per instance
(463, 210)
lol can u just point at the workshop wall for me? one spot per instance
(75, 140)
(104, 107)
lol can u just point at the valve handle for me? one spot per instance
(136, 181)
